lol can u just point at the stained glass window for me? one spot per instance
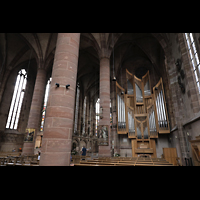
(97, 107)
(45, 104)
(77, 106)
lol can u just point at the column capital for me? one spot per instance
(104, 54)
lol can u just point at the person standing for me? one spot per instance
(84, 150)
(38, 155)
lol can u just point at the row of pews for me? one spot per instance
(32, 160)
(18, 160)
(123, 161)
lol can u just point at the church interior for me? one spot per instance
(125, 97)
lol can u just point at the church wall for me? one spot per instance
(161, 142)
(185, 105)
(7, 98)
(177, 111)
(174, 142)
(193, 130)
(10, 139)
(125, 146)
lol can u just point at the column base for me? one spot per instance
(55, 159)
(55, 152)
(28, 148)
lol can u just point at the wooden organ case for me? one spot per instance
(140, 113)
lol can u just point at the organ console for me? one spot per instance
(141, 114)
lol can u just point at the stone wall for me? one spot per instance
(11, 140)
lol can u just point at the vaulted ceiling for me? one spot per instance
(20, 48)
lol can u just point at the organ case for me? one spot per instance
(141, 114)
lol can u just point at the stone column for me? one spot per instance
(57, 137)
(104, 93)
(35, 114)
(114, 134)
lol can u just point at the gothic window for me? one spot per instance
(45, 104)
(77, 106)
(193, 57)
(17, 99)
(97, 107)
(84, 113)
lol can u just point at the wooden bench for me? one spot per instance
(124, 161)
(27, 160)
(106, 163)
(77, 158)
(117, 164)
(6, 154)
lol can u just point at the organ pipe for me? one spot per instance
(139, 101)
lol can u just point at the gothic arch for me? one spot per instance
(76, 141)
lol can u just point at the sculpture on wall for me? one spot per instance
(103, 135)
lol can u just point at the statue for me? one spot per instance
(103, 135)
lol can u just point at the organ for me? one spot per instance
(141, 114)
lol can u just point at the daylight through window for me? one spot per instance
(45, 104)
(194, 57)
(97, 107)
(17, 99)
(76, 110)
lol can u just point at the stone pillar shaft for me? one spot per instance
(105, 101)
(105, 90)
(57, 137)
(35, 114)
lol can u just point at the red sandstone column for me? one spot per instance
(56, 142)
(35, 111)
(105, 101)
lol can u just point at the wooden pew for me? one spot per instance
(105, 163)
(77, 158)
(27, 160)
(121, 161)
